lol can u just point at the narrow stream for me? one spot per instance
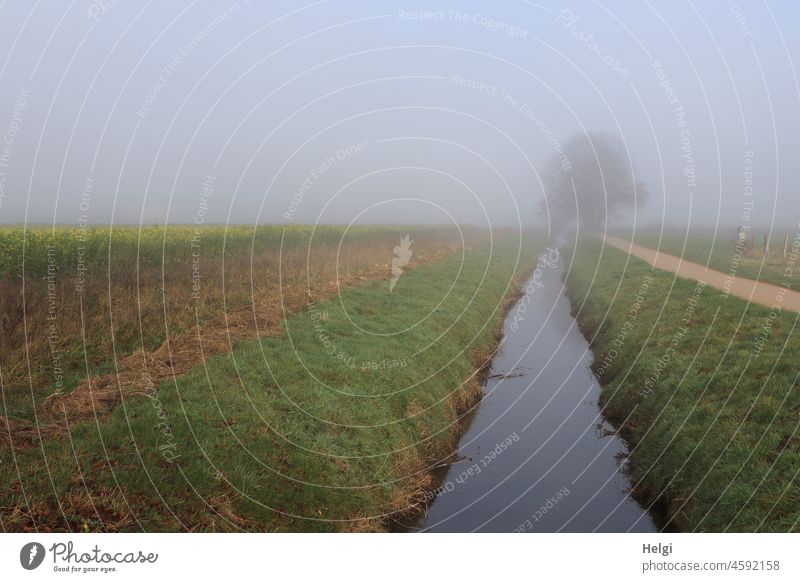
(537, 455)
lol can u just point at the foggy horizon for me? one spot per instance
(447, 115)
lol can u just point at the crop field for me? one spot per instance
(703, 386)
(251, 405)
(739, 257)
(102, 304)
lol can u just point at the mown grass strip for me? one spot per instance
(328, 427)
(708, 385)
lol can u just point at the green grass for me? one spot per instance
(77, 282)
(710, 410)
(303, 431)
(720, 252)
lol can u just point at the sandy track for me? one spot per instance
(765, 294)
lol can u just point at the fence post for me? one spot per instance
(766, 246)
(785, 246)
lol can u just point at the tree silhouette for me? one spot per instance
(591, 183)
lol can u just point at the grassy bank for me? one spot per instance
(704, 387)
(328, 426)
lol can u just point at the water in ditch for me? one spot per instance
(536, 455)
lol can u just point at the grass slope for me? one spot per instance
(327, 427)
(704, 388)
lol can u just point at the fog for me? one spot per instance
(390, 112)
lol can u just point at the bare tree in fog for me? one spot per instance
(591, 182)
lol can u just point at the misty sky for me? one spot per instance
(332, 111)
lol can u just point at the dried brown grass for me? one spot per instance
(241, 298)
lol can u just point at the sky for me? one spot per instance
(122, 112)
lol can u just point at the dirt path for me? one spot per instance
(765, 294)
